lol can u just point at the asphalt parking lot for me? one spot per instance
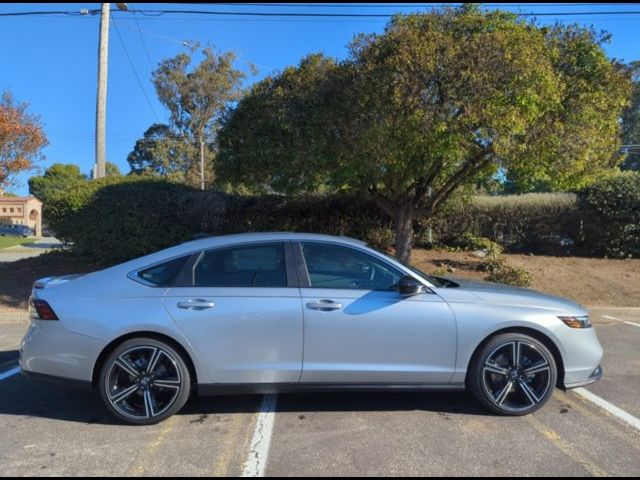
(50, 430)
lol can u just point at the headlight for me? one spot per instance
(577, 322)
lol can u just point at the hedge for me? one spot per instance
(611, 214)
(535, 222)
(118, 218)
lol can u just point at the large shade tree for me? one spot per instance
(436, 102)
(631, 123)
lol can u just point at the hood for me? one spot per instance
(498, 293)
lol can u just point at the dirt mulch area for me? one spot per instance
(590, 281)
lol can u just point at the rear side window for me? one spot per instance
(260, 265)
(164, 274)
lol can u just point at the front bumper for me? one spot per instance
(582, 355)
(594, 377)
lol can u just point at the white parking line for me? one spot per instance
(256, 462)
(609, 317)
(612, 409)
(9, 373)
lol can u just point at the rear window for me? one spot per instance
(164, 274)
(260, 265)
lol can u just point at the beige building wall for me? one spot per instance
(22, 211)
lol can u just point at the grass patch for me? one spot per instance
(6, 242)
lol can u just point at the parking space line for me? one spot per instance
(632, 323)
(221, 468)
(609, 407)
(566, 447)
(256, 462)
(9, 373)
(597, 415)
(144, 460)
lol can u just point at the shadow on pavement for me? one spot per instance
(24, 397)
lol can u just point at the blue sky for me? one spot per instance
(51, 61)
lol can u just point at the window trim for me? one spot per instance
(135, 274)
(303, 272)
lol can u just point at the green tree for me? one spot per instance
(58, 178)
(196, 99)
(436, 102)
(631, 123)
(112, 170)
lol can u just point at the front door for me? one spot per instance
(240, 315)
(358, 329)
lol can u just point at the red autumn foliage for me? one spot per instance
(21, 139)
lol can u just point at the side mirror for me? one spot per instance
(408, 286)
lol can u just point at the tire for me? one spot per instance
(136, 395)
(513, 389)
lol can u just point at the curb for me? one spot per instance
(14, 317)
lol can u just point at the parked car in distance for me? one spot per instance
(15, 231)
(289, 312)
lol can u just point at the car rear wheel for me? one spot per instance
(144, 381)
(513, 374)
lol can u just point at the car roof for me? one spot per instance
(270, 236)
(224, 240)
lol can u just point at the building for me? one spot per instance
(22, 211)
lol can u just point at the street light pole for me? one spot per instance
(101, 103)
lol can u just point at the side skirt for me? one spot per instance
(212, 389)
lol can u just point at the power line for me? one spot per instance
(144, 91)
(158, 13)
(350, 15)
(144, 44)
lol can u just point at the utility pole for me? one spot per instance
(101, 103)
(99, 169)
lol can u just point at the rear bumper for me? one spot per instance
(65, 382)
(50, 350)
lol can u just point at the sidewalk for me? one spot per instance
(19, 252)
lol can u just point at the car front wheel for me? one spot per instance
(144, 381)
(513, 374)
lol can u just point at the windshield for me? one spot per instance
(435, 281)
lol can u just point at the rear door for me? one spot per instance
(241, 310)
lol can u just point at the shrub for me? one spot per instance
(501, 272)
(115, 219)
(610, 210)
(469, 242)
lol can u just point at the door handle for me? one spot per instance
(196, 304)
(324, 305)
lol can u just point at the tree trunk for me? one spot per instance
(404, 233)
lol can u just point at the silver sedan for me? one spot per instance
(286, 312)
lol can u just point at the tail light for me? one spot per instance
(44, 310)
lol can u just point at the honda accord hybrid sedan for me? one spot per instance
(287, 312)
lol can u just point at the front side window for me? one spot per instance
(260, 265)
(337, 266)
(164, 274)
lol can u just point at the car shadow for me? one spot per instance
(20, 396)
